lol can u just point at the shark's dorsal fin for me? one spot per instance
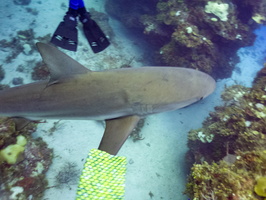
(59, 64)
(116, 132)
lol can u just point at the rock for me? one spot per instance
(17, 81)
(27, 49)
(22, 2)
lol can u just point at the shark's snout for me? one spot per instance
(209, 86)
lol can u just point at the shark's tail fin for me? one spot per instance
(103, 177)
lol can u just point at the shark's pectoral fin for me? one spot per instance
(116, 133)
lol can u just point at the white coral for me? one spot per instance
(220, 10)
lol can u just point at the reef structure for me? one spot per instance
(229, 152)
(23, 162)
(201, 34)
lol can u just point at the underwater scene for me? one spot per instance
(133, 100)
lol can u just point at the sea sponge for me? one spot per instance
(220, 10)
(258, 18)
(260, 187)
(21, 140)
(12, 153)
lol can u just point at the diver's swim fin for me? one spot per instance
(95, 36)
(66, 34)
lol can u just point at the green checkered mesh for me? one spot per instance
(103, 177)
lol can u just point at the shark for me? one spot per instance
(121, 97)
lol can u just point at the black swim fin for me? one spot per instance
(94, 34)
(66, 34)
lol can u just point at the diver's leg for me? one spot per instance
(76, 4)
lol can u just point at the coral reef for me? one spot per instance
(229, 151)
(23, 42)
(221, 180)
(24, 161)
(40, 72)
(202, 34)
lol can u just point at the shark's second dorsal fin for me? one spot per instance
(59, 64)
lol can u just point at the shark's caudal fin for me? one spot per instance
(116, 133)
(59, 64)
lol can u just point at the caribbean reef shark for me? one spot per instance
(120, 96)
